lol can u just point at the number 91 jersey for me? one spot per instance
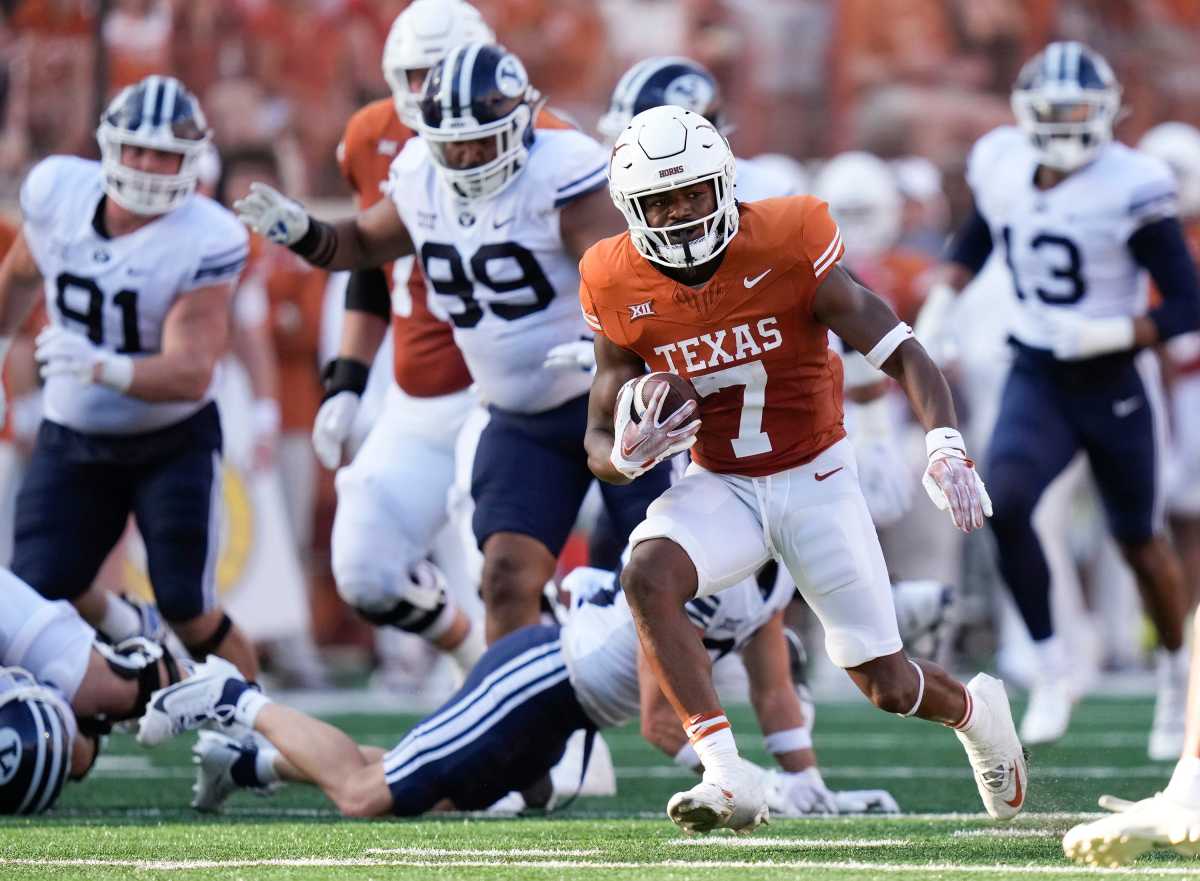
(1067, 247)
(498, 267)
(117, 291)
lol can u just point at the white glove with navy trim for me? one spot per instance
(575, 355)
(62, 352)
(272, 214)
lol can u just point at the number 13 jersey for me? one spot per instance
(1067, 247)
(498, 266)
(771, 387)
(117, 291)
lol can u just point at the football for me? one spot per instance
(680, 392)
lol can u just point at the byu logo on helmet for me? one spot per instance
(511, 78)
(10, 754)
(691, 91)
(655, 82)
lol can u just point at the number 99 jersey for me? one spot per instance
(117, 291)
(498, 267)
(1066, 247)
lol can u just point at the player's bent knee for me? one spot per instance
(512, 573)
(660, 573)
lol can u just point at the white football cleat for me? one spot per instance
(600, 778)
(1137, 828)
(187, 705)
(214, 755)
(995, 752)
(1051, 699)
(738, 803)
(1170, 710)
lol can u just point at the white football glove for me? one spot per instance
(273, 215)
(332, 426)
(1074, 337)
(64, 353)
(953, 482)
(575, 355)
(866, 801)
(639, 446)
(793, 794)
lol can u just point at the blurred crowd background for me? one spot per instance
(913, 81)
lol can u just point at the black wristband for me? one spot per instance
(318, 244)
(344, 375)
(367, 291)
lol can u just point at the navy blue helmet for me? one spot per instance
(655, 82)
(37, 729)
(477, 114)
(161, 114)
(1066, 99)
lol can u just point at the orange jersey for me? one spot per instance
(747, 339)
(425, 360)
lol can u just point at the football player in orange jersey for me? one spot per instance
(740, 299)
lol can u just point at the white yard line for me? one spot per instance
(815, 865)
(472, 852)
(797, 843)
(903, 772)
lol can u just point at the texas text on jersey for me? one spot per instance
(753, 315)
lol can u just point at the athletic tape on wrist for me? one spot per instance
(944, 439)
(116, 372)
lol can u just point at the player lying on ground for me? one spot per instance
(740, 299)
(508, 725)
(60, 689)
(1169, 819)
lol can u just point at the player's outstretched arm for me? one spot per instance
(615, 366)
(588, 220)
(969, 251)
(869, 325)
(369, 239)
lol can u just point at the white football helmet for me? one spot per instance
(1066, 100)
(786, 168)
(865, 201)
(421, 36)
(662, 149)
(160, 113)
(1178, 145)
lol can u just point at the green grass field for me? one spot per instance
(131, 820)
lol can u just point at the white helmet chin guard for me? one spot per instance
(421, 36)
(662, 149)
(158, 113)
(1066, 100)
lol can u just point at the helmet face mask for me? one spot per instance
(664, 150)
(496, 106)
(37, 730)
(160, 114)
(1066, 100)
(667, 81)
(421, 36)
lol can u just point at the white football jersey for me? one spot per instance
(117, 292)
(497, 268)
(599, 640)
(1067, 247)
(753, 182)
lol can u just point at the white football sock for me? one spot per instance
(121, 620)
(712, 737)
(264, 765)
(1051, 656)
(1185, 782)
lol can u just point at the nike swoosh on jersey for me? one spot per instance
(751, 282)
(497, 224)
(829, 473)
